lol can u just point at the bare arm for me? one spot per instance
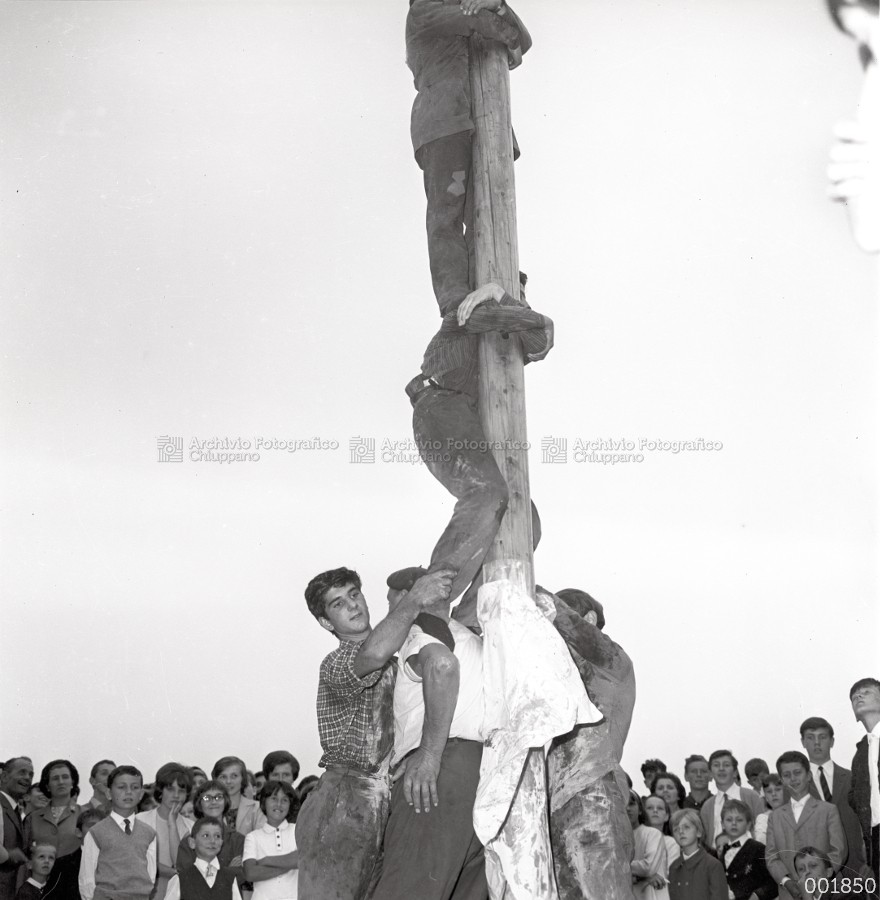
(388, 636)
(583, 638)
(439, 671)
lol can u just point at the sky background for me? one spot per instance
(212, 228)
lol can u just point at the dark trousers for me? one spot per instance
(446, 164)
(339, 835)
(875, 857)
(436, 855)
(448, 433)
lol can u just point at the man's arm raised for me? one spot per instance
(388, 636)
(439, 671)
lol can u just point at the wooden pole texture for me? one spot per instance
(502, 387)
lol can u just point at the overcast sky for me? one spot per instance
(212, 228)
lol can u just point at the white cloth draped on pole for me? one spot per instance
(532, 692)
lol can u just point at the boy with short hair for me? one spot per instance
(651, 768)
(119, 852)
(743, 857)
(804, 821)
(756, 769)
(816, 876)
(204, 878)
(724, 768)
(698, 776)
(41, 859)
(339, 834)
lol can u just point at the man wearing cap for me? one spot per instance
(447, 427)
(431, 850)
(590, 834)
(339, 831)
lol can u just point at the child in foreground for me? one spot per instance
(270, 855)
(695, 875)
(40, 862)
(119, 852)
(743, 856)
(205, 878)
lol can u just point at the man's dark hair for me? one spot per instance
(124, 770)
(717, 754)
(57, 764)
(279, 758)
(322, 583)
(653, 765)
(582, 603)
(864, 682)
(756, 766)
(814, 723)
(694, 757)
(98, 764)
(792, 756)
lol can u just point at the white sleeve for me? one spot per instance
(87, 866)
(250, 847)
(172, 892)
(411, 647)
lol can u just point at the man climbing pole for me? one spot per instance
(437, 33)
(447, 427)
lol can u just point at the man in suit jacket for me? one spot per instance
(723, 765)
(832, 783)
(864, 796)
(15, 782)
(804, 821)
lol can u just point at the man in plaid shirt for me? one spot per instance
(339, 831)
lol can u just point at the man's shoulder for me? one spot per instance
(346, 650)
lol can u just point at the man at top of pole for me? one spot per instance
(437, 33)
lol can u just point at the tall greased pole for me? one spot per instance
(519, 862)
(502, 387)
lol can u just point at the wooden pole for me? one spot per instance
(502, 387)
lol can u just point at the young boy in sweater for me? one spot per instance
(119, 852)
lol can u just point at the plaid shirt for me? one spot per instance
(355, 715)
(452, 357)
